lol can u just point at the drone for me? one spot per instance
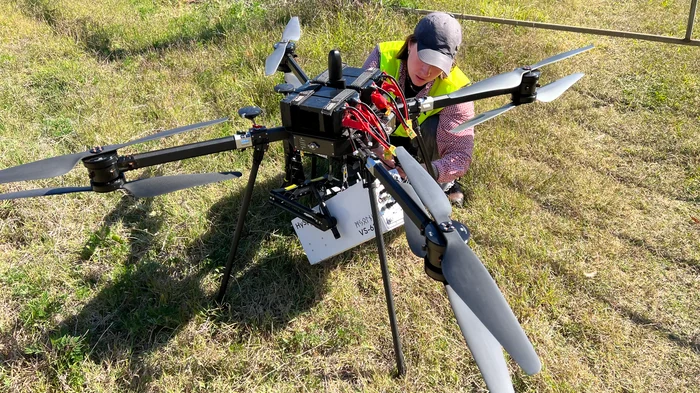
(343, 115)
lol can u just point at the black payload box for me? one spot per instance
(315, 110)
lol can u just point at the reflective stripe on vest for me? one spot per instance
(390, 64)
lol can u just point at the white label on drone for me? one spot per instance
(353, 213)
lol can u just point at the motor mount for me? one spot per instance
(103, 172)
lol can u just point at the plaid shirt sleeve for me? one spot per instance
(373, 59)
(455, 150)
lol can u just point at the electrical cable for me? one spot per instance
(384, 142)
(370, 132)
(395, 107)
(376, 120)
(401, 95)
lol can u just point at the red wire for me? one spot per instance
(401, 95)
(394, 106)
(377, 122)
(403, 121)
(377, 138)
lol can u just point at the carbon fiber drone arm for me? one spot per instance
(294, 67)
(426, 104)
(236, 142)
(412, 210)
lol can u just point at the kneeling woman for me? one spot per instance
(423, 65)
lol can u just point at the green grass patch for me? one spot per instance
(40, 309)
(584, 210)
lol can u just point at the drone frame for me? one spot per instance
(107, 170)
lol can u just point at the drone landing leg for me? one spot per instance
(400, 364)
(247, 196)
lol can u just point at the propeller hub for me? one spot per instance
(446, 226)
(291, 47)
(436, 246)
(104, 174)
(527, 92)
(108, 186)
(434, 272)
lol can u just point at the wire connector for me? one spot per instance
(390, 152)
(379, 100)
(409, 130)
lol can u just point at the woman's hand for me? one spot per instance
(391, 163)
(388, 163)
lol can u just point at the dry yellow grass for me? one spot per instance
(582, 209)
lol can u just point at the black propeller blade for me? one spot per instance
(415, 240)
(155, 186)
(425, 186)
(42, 192)
(546, 93)
(291, 33)
(143, 188)
(559, 57)
(552, 91)
(57, 166)
(467, 275)
(482, 117)
(485, 349)
(469, 278)
(43, 169)
(512, 79)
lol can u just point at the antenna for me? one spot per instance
(335, 70)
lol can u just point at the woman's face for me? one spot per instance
(419, 72)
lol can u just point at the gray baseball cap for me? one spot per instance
(438, 35)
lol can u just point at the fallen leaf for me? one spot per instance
(695, 219)
(591, 274)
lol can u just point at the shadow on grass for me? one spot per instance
(98, 40)
(575, 280)
(691, 264)
(643, 321)
(150, 299)
(578, 282)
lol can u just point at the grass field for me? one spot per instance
(586, 210)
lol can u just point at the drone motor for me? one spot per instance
(104, 172)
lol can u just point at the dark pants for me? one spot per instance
(429, 132)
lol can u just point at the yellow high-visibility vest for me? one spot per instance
(390, 64)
